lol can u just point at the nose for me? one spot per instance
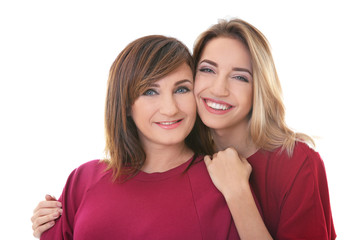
(168, 105)
(220, 86)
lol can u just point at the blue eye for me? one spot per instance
(206, 70)
(149, 92)
(182, 90)
(241, 78)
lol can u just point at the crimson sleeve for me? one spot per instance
(63, 228)
(305, 211)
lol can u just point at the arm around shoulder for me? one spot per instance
(77, 184)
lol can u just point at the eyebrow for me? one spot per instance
(176, 84)
(234, 68)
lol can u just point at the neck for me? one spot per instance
(164, 158)
(237, 137)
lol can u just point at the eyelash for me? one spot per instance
(152, 92)
(206, 70)
(241, 78)
(148, 91)
(209, 70)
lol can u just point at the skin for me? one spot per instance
(227, 86)
(165, 115)
(223, 92)
(44, 215)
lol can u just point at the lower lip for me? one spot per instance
(170, 126)
(216, 111)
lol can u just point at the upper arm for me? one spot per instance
(305, 212)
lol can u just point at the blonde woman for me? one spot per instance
(238, 96)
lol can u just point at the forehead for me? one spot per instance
(227, 51)
(183, 72)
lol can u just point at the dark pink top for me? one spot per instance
(169, 205)
(292, 193)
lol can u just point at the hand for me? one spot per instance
(229, 173)
(45, 214)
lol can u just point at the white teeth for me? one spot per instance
(217, 106)
(168, 123)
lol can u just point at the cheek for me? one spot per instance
(198, 85)
(243, 94)
(249, 97)
(188, 105)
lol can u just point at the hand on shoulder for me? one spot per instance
(45, 215)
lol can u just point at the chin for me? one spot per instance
(212, 123)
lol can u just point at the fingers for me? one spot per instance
(48, 204)
(246, 164)
(39, 230)
(46, 212)
(44, 219)
(207, 160)
(39, 221)
(50, 198)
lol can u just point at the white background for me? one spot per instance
(54, 62)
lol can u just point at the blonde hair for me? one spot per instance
(267, 126)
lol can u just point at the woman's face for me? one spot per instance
(165, 113)
(224, 84)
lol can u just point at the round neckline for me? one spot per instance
(254, 155)
(159, 176)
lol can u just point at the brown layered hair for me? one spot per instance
(267, 126)
(143, 62)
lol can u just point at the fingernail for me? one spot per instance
(51, 223)
(55, 215)
(60, 211)
(59, 204)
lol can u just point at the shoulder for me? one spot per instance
(303, 150)
(91, 168)
(200, 181)
(81, 179)
(283, 170)
(306, 155)
(302, 155)
(87, 174)
(197, 164)
(198, 168)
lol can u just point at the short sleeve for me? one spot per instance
(305, 212)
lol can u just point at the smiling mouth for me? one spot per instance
(217, 106)
(169, 123)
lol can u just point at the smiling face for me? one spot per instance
(165, 113)
(224, 84)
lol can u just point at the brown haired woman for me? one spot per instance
(155, 184)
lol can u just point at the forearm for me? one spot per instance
(246, 216)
